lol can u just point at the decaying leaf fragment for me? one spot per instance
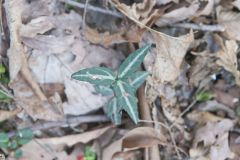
(170, 54)
(228, 57)
(142, 12)
(230, 20)
(137, 138)
(214, 136)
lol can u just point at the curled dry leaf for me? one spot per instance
(142, 12)
(230, 20)
(170, 54)
(137, 138)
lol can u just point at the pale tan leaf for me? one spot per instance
(228, 57)
(170, 54)
(36, 26)
(230, 20)
(212, 131)
(143, 12)
(214, 136)
(4, 115)
(220, 150)
(178, 15)
(15, 52)
(203, 117)
(49, 44)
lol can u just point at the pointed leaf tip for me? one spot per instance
(133, 61)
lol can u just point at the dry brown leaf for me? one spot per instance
(212, 131)
(137, 138)
(33, 105)
(36, 26)
(15, 52)
(215, 136)
(213, 105)
(105, 38)
(4, 115)
(178, 14)
(202, 117)
(132, 34)
(230, 20)
(38, 8)
(142, 12)
(170, 54)
(228, 57)
(49, 44)
(225, 98)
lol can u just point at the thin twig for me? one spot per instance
(67, 122)
(93, 8)
(203, 27)
(184, 112)
(84, 14)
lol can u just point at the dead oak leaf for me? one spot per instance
(170, 54)
(214, 135)
(227, 57)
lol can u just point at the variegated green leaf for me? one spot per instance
(103, 90)
(137, 79)
(95, 75)
(129, 104)
(114, 111)
(126, 99)
(132, 62)
(122, 88)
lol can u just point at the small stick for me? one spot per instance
(93, 8)
(203, 27)
(67, 122)
(184, 112)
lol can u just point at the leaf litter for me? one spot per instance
(190, 55)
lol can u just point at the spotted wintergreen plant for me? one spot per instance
(121, 84)
(13, 143)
